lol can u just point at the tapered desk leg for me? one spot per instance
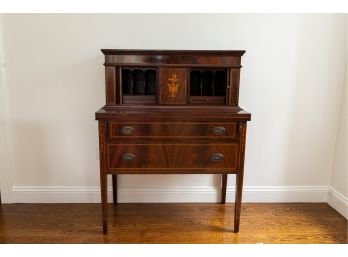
(238, 201)
(114, 188)
(239, 176)
(103, 176)
(104, 200)
(223, 188)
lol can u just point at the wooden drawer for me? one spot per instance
(167, 130)
(165, 158)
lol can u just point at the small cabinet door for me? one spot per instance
(172, 86)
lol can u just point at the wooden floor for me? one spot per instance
(172, 223)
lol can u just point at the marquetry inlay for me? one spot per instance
(173, 84)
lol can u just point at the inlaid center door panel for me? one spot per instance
(168, 158)
(172, 86)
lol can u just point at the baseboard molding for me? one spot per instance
(165, 195)
(338, 201)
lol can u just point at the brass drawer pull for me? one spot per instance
(128, 156)
(218, 130)
(216, 157)
(127, 130)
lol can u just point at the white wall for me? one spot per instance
(6, 171)
(291, 83)
(338, 191)
(338, 194)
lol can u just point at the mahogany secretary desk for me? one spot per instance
(172, 112)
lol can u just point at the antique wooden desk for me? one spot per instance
(172, 112)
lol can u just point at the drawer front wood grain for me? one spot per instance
(170, 129)
(167, 157)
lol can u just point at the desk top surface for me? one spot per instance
(179, 112)
(170, 52)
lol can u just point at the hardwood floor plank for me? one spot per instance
(172, 223)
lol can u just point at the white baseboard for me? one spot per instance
(338, 201)
(168, 195)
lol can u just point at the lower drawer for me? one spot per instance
(166, 157)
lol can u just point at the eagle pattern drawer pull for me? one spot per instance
(216, 157)
(127, 130)
(128, 156)
(219, 131)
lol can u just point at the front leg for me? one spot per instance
(114, 188)
(104, 201)
(239, 176)
(238, 202)
(223, 188)
(103, 176)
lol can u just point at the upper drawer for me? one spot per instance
(171, 129)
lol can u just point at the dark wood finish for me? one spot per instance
(208, 113)
(234, 87)
(110, 84)
(268, 223)
(103, 175)
(114, 188)
(239, 177)
(172, 112)
(118, 92)
(136, 99)
(188, 58)
(223, 188)
(171, 129)
(169, 158)
(207, 100)
(172, 86)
